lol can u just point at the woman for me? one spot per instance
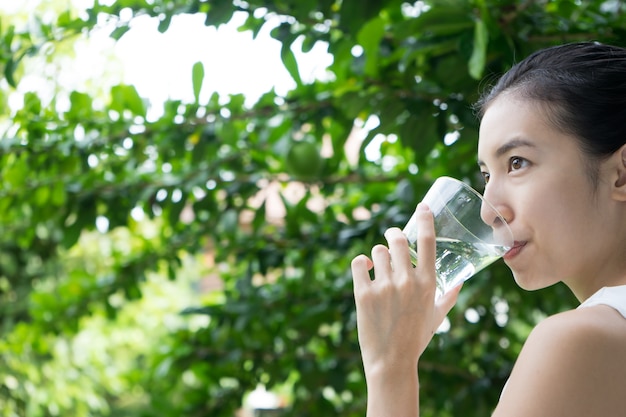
(552, 150)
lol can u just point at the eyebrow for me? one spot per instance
(510, 145)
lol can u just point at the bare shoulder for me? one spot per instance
(604, 323)
(571, 365)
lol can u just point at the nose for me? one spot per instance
(489, 215)
(493, 210)
(500, 232)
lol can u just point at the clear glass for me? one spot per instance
(470, 233)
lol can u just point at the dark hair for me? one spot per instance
(583, 87)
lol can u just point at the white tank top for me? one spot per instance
(611, 296)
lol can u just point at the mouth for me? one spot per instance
(514, 251)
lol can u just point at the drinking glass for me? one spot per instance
(470, 233)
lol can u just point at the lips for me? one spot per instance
(514, 251)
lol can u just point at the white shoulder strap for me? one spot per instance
(612, 296)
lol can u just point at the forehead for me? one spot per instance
(512, 122)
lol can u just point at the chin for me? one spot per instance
(530, 283)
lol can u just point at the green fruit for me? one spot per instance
(303, 160)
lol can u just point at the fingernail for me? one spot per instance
(422, 206)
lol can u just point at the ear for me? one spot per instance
(619, 187)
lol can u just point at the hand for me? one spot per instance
(396, 311)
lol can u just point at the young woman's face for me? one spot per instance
(538, 178)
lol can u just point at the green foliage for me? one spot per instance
(99, 201)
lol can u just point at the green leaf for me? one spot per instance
(32, 103)
(15, 173)
(252, 24)
(42, 195)
(119, 31)
(9, 72)
(164, 23)
(197, 76)
(369, 38)
(175, 208)
(125, 97)
(290, 62)
(440, 20)
(80, 106)
(355, 13)
(64, 19)
(219, 13)
(479, 53)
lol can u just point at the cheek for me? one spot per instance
(563, 217)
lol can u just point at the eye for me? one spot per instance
(517, 163)
(485, 176)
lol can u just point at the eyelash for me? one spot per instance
(514, 160)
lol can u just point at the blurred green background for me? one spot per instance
(171, 259)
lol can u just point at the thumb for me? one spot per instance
(445, 303)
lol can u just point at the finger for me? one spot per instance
(425, 238)
(399, 249)
(360, 266)
(382, 262)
